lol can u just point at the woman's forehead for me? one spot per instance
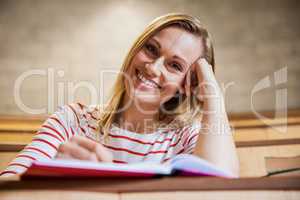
(179, 42)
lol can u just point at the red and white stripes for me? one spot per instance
(126, 146)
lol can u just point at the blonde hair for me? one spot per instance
(182, 112)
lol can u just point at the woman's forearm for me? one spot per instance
(215, 142)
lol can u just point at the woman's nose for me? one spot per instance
(156, 67)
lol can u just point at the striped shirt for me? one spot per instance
(125, 146)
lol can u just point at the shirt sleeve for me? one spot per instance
(57, 129)
(190, 140)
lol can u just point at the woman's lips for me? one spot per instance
(146, 81)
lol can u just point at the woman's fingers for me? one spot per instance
(72, 150)
(84, 142)
(203, 70)
(65, 156)
(83, 148)
(207, 85)
(101, 153)
(187, 85)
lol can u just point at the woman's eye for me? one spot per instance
(176, 66)
(151, 49)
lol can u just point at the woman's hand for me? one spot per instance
(202, 83)
(82, 148)
(215, 142)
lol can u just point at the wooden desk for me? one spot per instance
(156, 188)
(254, 140)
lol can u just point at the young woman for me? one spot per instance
(166, 101)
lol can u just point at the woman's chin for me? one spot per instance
(146, 98)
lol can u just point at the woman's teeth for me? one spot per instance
(146, 81)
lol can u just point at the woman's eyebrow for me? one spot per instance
(155, 41)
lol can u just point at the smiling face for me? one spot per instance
(159, 68)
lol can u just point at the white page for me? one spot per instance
(143, 167)
(195, 165)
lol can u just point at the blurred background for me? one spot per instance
(57, 52)
(72, 42)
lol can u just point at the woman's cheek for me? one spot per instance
(176, 86)
(142, 57)
(169, 91)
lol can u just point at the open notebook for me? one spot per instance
(183, 164)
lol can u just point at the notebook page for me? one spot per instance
(145, 167)
(192, 165)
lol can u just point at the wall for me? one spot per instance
(71, 42)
